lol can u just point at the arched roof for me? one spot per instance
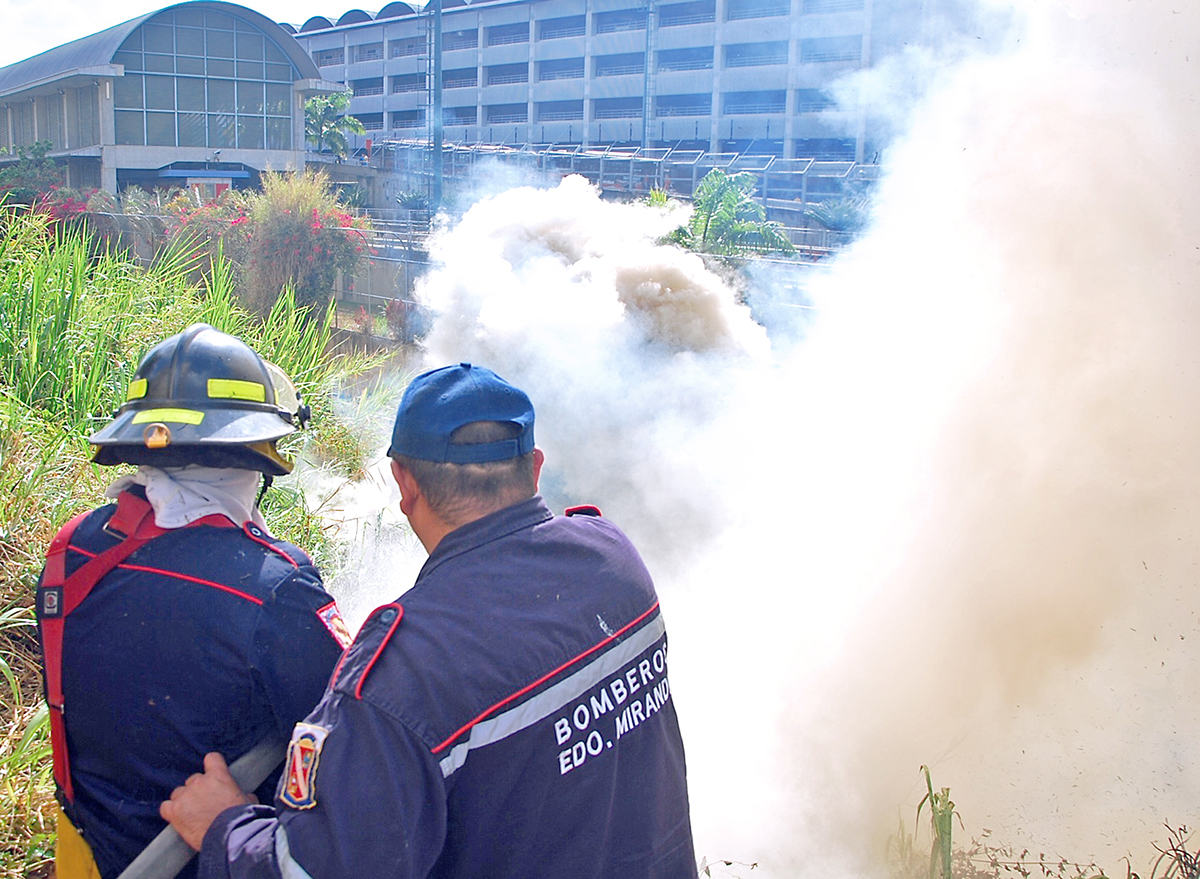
(316, 23)
(354, 16)
(287, 27)
(96, 51)
(453, 4)
(395, 9)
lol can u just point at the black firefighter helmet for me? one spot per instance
(203, 397)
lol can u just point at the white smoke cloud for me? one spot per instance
(955, 523)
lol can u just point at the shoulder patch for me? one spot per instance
(304, 754)
(332, 618)
(584, 510)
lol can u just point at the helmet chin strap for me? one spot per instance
(268, 481)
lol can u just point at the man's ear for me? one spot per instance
(538, 460)
(409, 490)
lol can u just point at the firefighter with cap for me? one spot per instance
(509, 716)
(173, 624)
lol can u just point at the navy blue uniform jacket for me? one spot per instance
(205, 639)
(511, 716)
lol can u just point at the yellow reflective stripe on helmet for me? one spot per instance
(179, 416)
(236, 389)
(137, 389)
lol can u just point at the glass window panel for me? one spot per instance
(189, 17)
(131, 60)
(250, 70)
(159, 38)
(192, 130)
(250, 132)
(133, 43)
(219, 20)
(280, 73)
(160, 129)
(250, 98)
(183, 64)
(279, 134)
(276, 55)
(128, 127)
(219, 67)
(160, 93)
(220, 44)
(220, 96)
(127, 92)
(279, 99)
(190, 93)
(189, 41)
(220, 130)
(249, 46)
(160, 63)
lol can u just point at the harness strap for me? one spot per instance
(58, 595)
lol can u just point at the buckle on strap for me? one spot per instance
(131, 511)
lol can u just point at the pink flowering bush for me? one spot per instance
(300, 235)
(293, 233)
(65, 206)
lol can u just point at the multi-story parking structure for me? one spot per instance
(724, 76)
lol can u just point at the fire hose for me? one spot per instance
(167, 853)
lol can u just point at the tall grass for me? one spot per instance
(73, 326)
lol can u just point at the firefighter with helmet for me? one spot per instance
(172, 622)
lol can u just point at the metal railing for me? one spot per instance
(507, 39)
(735, 109)
(693, 110)
(755, 60)
(549, 75)
(561, 116)
(621, 70)
(814, 57)
(616, 27)
(679, 20)
(617, 113)
(563, 32)
(702, 64)
(508, 78)
(742, 13)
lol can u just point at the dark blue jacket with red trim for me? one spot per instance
(513, 718)
(205, 639)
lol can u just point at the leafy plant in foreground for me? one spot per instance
(941, 819)
(727, 221)
(1180, 863)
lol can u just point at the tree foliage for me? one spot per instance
(33, 174)
(841, 214)
(326, 123)
(727, 221)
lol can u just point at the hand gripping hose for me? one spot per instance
(167, 853)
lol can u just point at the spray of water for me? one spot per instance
(955, 523)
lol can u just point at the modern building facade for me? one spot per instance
(725, 76)
(204, 94)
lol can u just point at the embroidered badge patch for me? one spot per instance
(51, 597)
(332, 618)
(304, 753)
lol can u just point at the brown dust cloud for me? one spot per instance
(948, 516)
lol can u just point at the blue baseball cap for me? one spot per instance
(440, 401)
